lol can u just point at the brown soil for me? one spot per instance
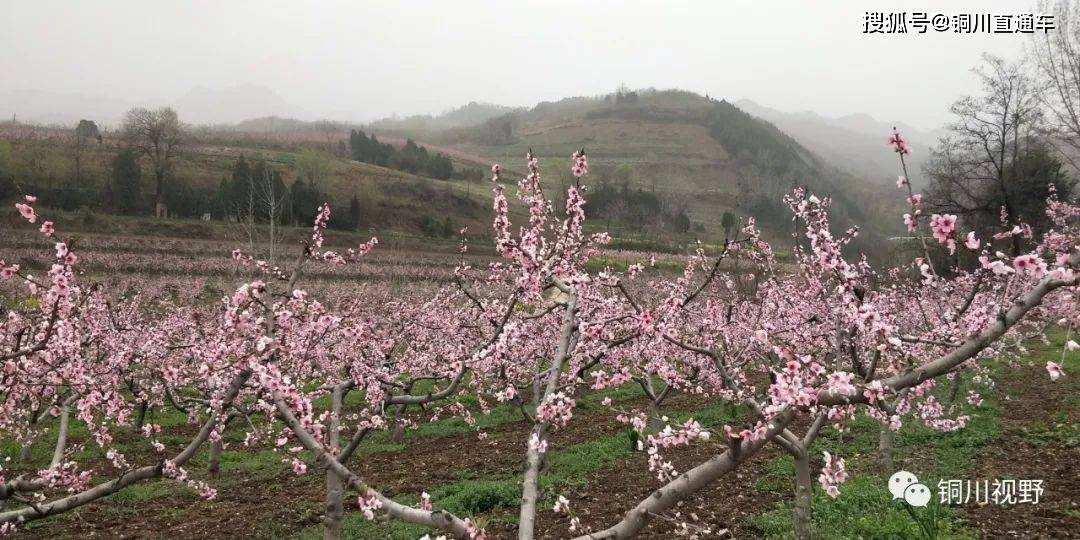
(724, 508)
(247, 503)
(1035, 400)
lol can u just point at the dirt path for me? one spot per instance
(1030, 399)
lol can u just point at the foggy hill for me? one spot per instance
(48, 108)
(852, 142)
(202, 105)
(700, 153)
(472, 114)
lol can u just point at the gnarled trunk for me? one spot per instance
(61, 436)
(885, 448)
(804, 495)
(213, 465)
(140, 415)
(335, 508)
(334, 487)
(534, 459)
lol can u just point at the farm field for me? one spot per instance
(470, 469)
(468, 460)
(539, 271)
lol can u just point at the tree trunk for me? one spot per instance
(399, 424)
(213, 465)
(534, 459)
(656, 422)
(334, 507)
(61, 436)
(27, 451)
(530, 489)
(159, 193)
(954, 390)
(885, 448)
(804, 495)
(334, 489)
(140, 415)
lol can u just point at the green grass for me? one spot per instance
(865, 508)
(495, 498)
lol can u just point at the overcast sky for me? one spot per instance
(359, 60)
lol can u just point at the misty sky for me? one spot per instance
(359, 60)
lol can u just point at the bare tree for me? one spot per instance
(1056, 57)
(158, 134)
(272, 201)
(265, 198)
(976, 170)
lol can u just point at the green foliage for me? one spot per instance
(433, 227)
(7, 172)
(126, 180)
(87, 130)
(865, 508)
(625, 205)
(411, 158)
(728, 221)
(469, 174)
(474, 497)
(743, 135)
(313, 165)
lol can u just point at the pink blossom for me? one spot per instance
(369, 503)
(562, 505)
(1030, 264)
(47, 228)
(579, 166)
(943, 227)
(474, 532)
(833, 473)
(8, 272)
(556, 409)
(911, 223)
(1054, 369)
(899, 144)
(972, 243)
(902, 181)
(27, 212)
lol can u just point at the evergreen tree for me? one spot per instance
(728, 222)
(126, 177)
(354, 212)
(240, 190)
(221, 199)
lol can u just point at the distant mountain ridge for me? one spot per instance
(49, 108)
(472, 114)
(200, 105)
(852, 142)
(701, 154)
